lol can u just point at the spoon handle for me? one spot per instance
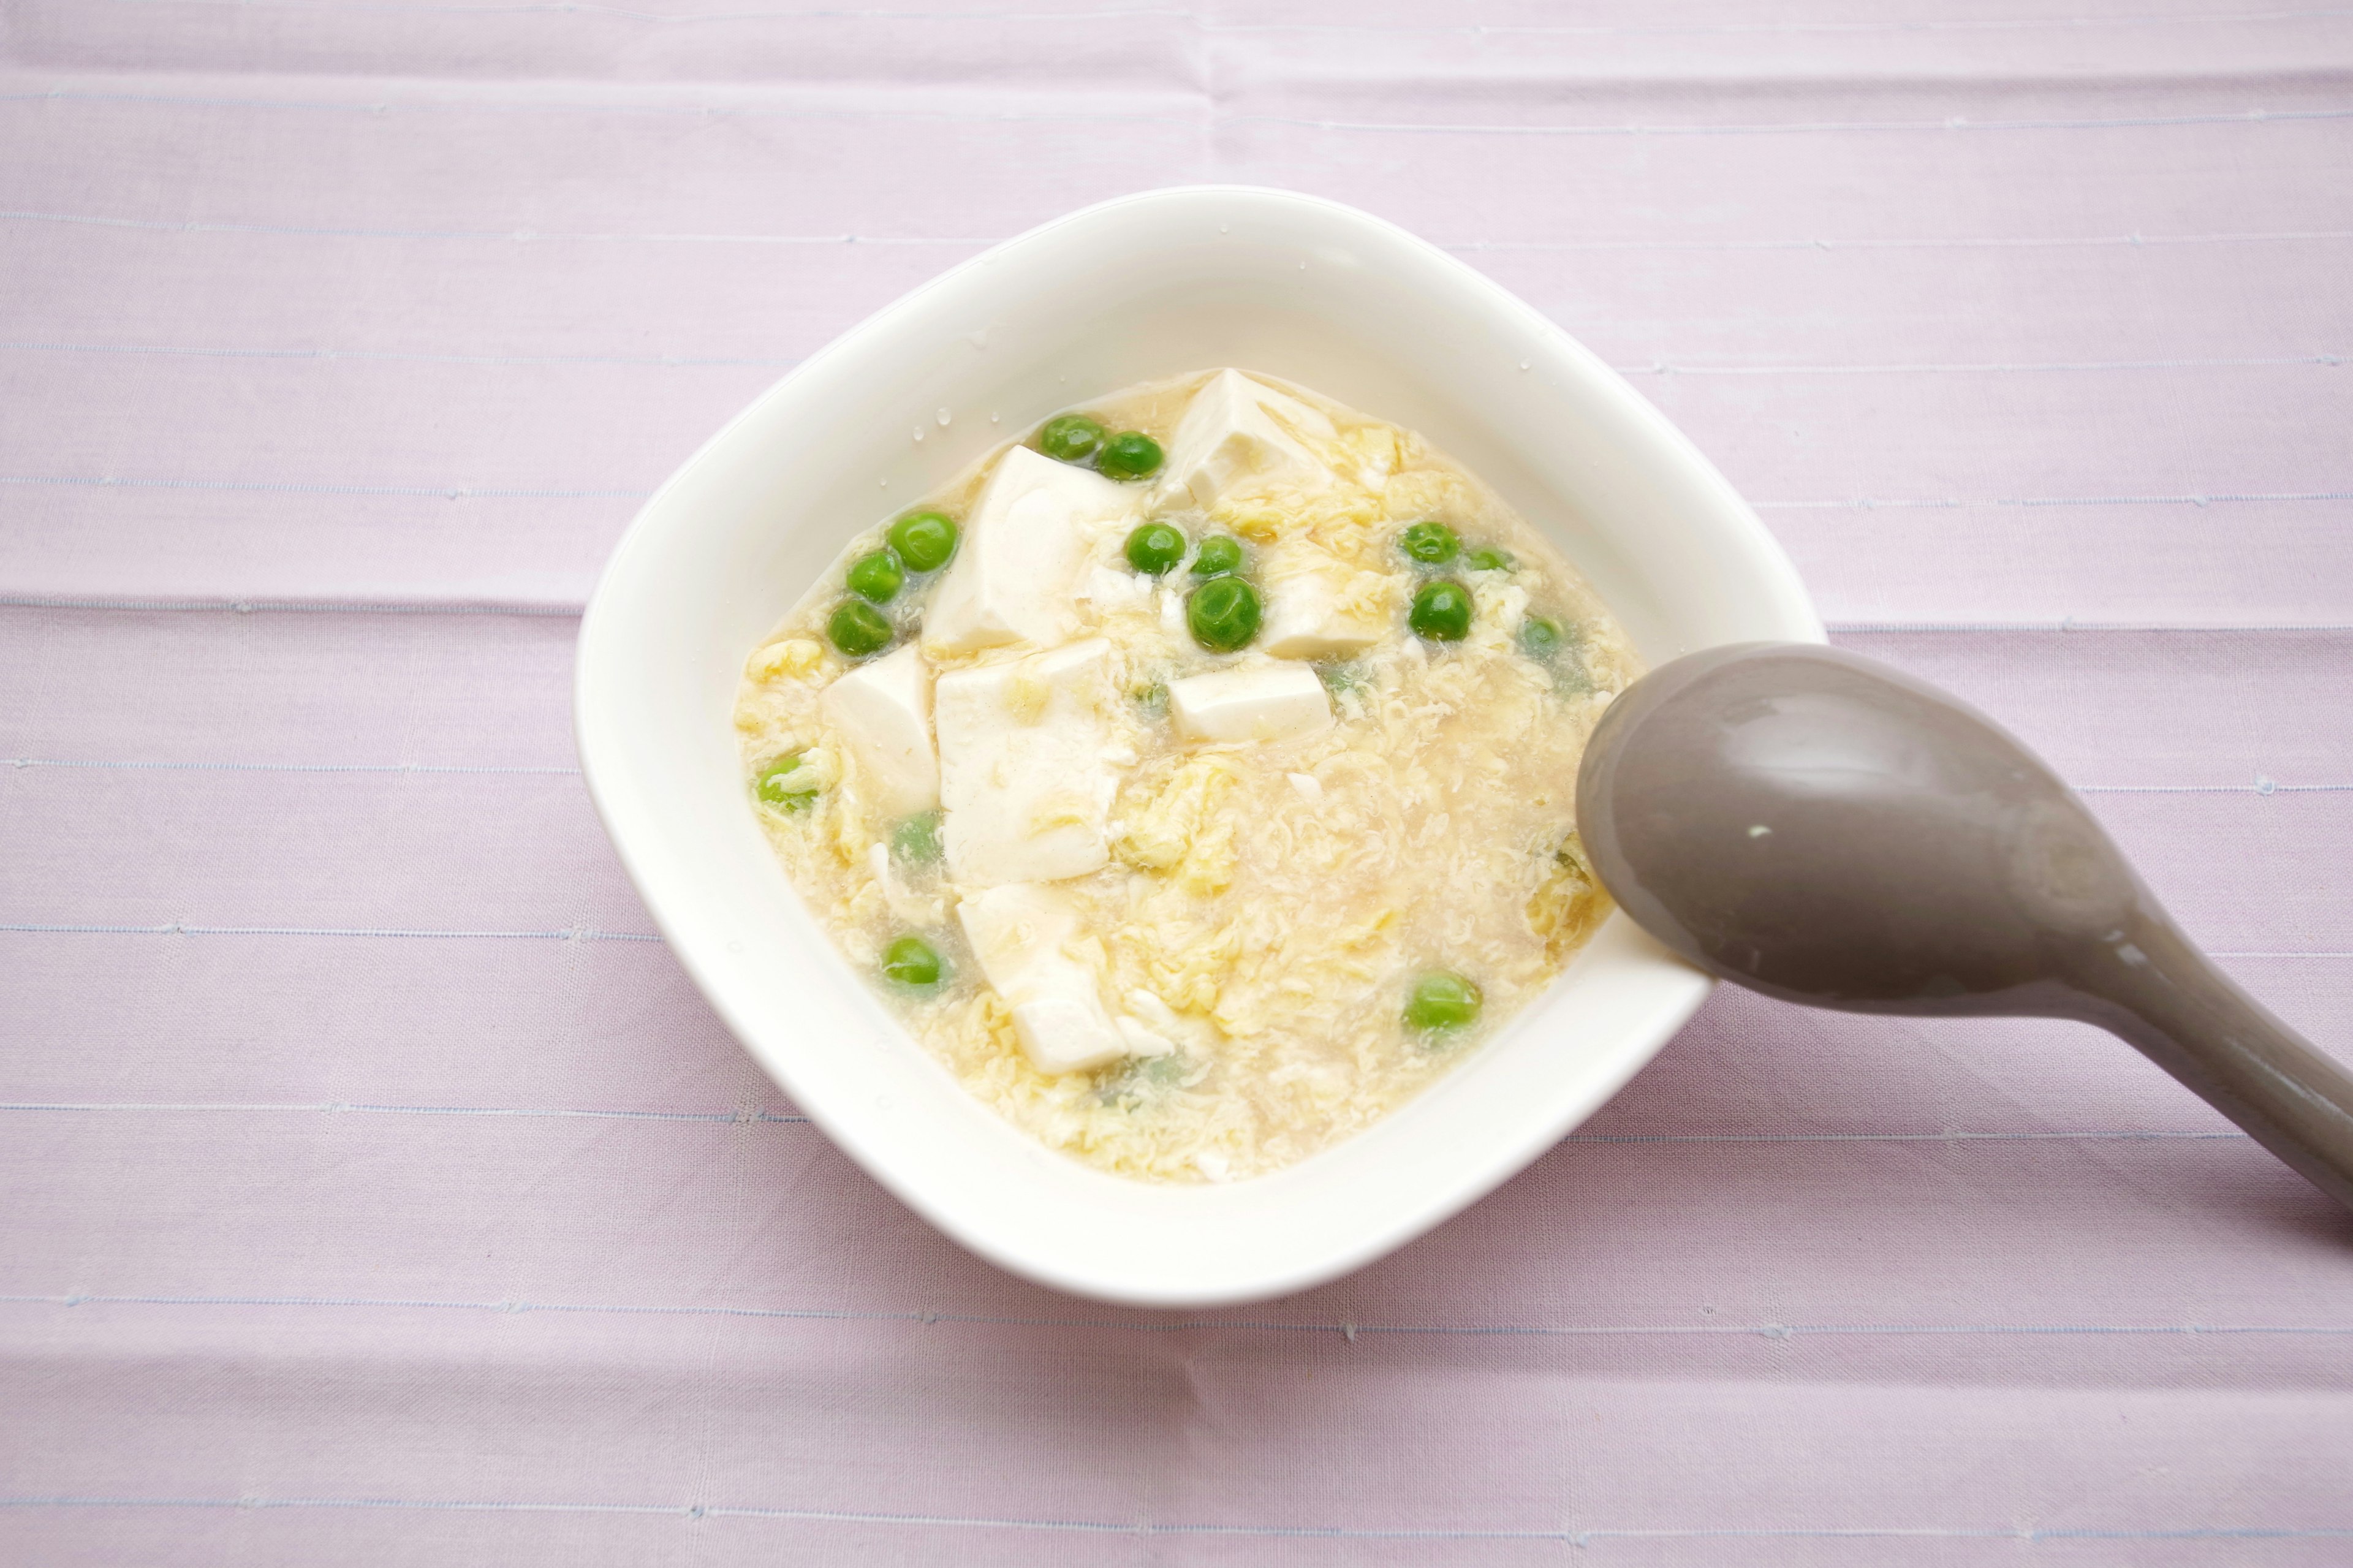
(2168, 998)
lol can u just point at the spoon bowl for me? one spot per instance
(1824, 829)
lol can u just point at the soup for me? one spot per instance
(1195, 776)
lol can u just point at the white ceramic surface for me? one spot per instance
(1143, 287)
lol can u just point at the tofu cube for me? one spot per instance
(1314, 607)
(1267, 703)
(1231, 437)
(1026, 766)
(883, 711)
(1067, 1034)
(1014, 575)
(1020, 934)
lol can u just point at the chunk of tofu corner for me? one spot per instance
(1231, 436)
(1014, 576)
(1020, 934)
(1026, 766)
(1266, 703)
(1067, 1034)
(1311, 609)
(883, 710)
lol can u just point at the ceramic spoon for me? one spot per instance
(1824, 829)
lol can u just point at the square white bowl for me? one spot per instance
(1141, 287)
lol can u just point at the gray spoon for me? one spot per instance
(1827, 830)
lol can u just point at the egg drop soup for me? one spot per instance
(1196, 777)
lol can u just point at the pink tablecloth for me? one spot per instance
(373, 1190)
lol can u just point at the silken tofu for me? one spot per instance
(1014, 575)
(1026, 766)
(1269, 702)
(1319, 607)
(1230, 439)
(883, 710)
(1020, 934)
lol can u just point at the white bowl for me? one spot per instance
(1140, 287)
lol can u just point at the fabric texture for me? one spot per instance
(376, 1189)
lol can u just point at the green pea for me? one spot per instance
(924, 540)
(1223, 613)
(1155, 548)
(1492, 561)
(1153, 700)
(858, 628)
(911, 961)
(1442, 1000)
(1540, 638)
(1130, 454)
(1220, 554)
(778, 784)
(1441, 611)
(917, 840)
(1072, 438)
(1431, 544)
(876, 576)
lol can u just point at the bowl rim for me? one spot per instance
(602, 759)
